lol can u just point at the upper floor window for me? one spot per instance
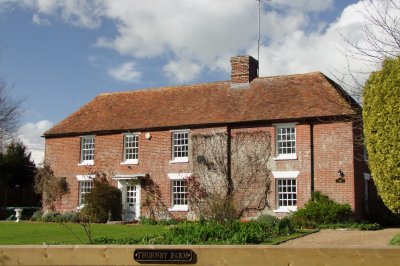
(87, 150)
(286, 141)
(180, 146)
(131, 148)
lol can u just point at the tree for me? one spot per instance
(380, 40)
(10, 113)
(16, 167)
(51, 187)
(231, 175)
(381, 116)
(103, 201)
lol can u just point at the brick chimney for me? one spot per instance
(244, 70)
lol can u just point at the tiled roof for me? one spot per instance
(265, 99)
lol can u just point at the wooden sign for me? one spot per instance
(163, 256)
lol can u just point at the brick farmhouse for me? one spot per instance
(313, 122)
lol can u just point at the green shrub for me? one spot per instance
(395, 241)
(37, 216)
(357, 226)
(268, 220)
(381, 122)
(321, 210)
(102, 200)
(151, 221)
(56, 217)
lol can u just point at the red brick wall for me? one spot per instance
(333, 150)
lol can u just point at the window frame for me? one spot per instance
(285, 156)
(124, 159)
(174, 177)
(285, 175)
(176, 159)
(82, 160)
(83, 179)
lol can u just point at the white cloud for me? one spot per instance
(203, 34)
(37, 19)
(30, 134)
(125, 72)
(182, 71)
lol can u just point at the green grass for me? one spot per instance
(395, 241)
(26, 233)
(284, 238)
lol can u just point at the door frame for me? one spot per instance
(122, 181)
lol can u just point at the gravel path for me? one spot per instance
(379, 238)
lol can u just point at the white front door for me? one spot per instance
(130, 200)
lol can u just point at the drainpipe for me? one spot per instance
(229, 159)
(312, 156)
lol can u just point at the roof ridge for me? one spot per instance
(293, 75)
(163, 88)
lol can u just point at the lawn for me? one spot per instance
(26, 233)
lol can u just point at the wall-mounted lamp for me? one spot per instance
(341, 175)
(148, 135)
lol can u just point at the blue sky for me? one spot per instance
(61, 54)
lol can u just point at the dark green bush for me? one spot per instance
(37, 216)
(56, 217)
(268, 220)
(395, 241)
(321, 210)
(210, 232)
(150, 221)
(102, 200)
(357, 226)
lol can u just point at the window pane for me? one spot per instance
(286, 192)
(180, 144)
(131, 144)
(286, 140)
(179, 193)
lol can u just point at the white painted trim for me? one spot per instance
(179, 208)
(131, 161)
(180, 160)
(178, 176)
(121, 177)
(85, 177)
(87, 162)
(285, 174)
(286, 209)
(292, 124)
(292, 156)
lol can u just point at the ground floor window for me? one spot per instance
(179, 193)
(179, 199)
(285, 190)
(84, 188)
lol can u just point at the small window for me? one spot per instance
(131, 148)
(87, 150)
(286, 142)
(286, 193)
(179, 200)
(180, 146)
(179, 195)
(85, 187)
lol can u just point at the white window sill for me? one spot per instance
(179, 208)
(180, 160)
(91, 162)
(134, 161)
(286, 209)
(285, 157)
